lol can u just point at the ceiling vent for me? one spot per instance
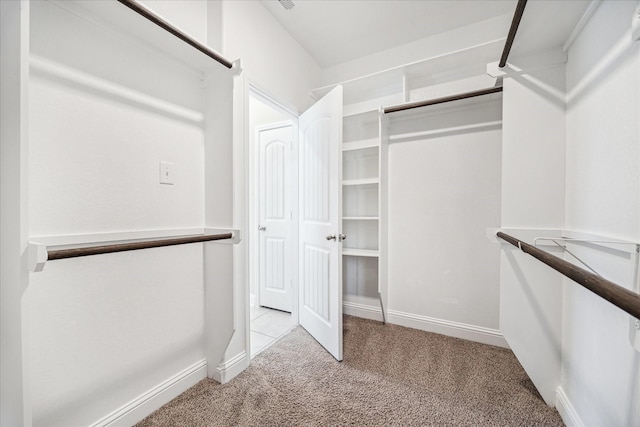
(287, 4)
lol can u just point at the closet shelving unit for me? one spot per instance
(365, 156)
(360, 184)
(427, 78)
(361, 221)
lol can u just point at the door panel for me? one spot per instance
(276, 236)
(315, 285)
(320, 220)
(316, 173)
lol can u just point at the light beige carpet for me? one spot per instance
(390, 376)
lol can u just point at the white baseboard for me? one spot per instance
(429, 324)
(153, 399)
(362, 310)
(228, 370)
(447, 327)
(567, 411)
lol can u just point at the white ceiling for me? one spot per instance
(333, 31)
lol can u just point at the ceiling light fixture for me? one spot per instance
(287, 4)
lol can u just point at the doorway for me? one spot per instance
(294, 230)
(273, 223)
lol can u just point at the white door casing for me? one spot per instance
(320, 256)
(275, 217)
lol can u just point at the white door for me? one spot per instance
(275, 217)
(320, 291)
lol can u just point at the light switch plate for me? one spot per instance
(166, 173)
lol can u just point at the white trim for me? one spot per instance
(566, 410)
(153, 399)
(362, 310)
(430, 324)
(266, 98)
(228, 370)
(447, 327)
(15, 354)
(586, 17)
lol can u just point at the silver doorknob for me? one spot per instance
(262, 228)
(342, 237)
(331, 237)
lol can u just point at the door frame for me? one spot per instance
(253, 203)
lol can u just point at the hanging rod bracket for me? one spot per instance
(234, 240)
(37, 255)
(494, 71)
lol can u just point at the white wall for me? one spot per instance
(533, 158)
(188, 15)
(603, 197)
(201, 19)
(444, 190)
(271, 58)
(104, 330)
(15, 403)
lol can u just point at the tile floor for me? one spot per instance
(267, 326)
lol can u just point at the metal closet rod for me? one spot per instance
(122, 247)
(138, 8)
(617, 295)
(443, 99)
(515, 22)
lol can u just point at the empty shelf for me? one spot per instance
(360, 218)
(360, 252)
(363, 143)
(366, 181)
